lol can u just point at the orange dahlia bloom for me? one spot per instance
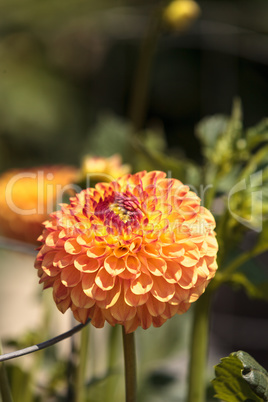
(134, 252)
(97, 168)
(27, 197)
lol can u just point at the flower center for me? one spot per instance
(126, 208)
(120, 211)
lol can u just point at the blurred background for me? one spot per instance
(65, 64)
(67, 78)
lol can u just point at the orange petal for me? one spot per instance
(188, 278)
(152, 249)
(158, 321)
(52, 238)
(131, 325)
(70, 276)
(198, 291)
(104, 280)
(202, 269)
(173, 272)
(170, 311)
(180, 295)
(85, 264)
(173, 251)
(133, 264)
(121, 251)
(144, 317)
(157, 266)
(48, 259)
(88, 281)
(81, 314)
(97, 251)
(72, 247)
(98, 293)
(162, 290)
(63, 305)
(114, 266)
(121, 311)
(60, 292)
(132, 299)
(142, 284)
(79, 298)
(155, 307)
(135, 246)
(62, 259)
(111, 295)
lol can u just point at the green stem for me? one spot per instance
(130, 366)
(112, 360)
(141, 82)
(4, 385)
(82, 365)
(225, 274)
(199, 347)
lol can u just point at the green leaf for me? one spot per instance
(258, 134)
(211, 128)
(234, 381)
(254, 374)
(257, 291)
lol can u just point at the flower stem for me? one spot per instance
(82, 364)
(130, 366)
(141, 82)
(199, 347)
(4, 385)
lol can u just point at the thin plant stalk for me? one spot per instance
(4, 384)
(82, 365)
(113, 353)
(130, 366)
(141, 82)
(198, 350)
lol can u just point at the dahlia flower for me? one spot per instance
(134, 252)
(97, 168)
(28, 196)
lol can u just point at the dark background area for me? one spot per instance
(63, 66)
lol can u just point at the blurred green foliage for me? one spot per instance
(66, 73)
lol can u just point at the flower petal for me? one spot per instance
(157, 266)
(142, 284)
(133, 264)
(144, 317)
(85, 264)
(155, 307)
(79, 298)
(72, 247)
(104, 280)
(88, 281)
(121, 311)
(114, 266)
(97, 251)
(70, 276)
(162, 290)
(173, 272)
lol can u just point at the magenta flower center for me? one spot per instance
(119, 211)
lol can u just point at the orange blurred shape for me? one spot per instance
(28, 196)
